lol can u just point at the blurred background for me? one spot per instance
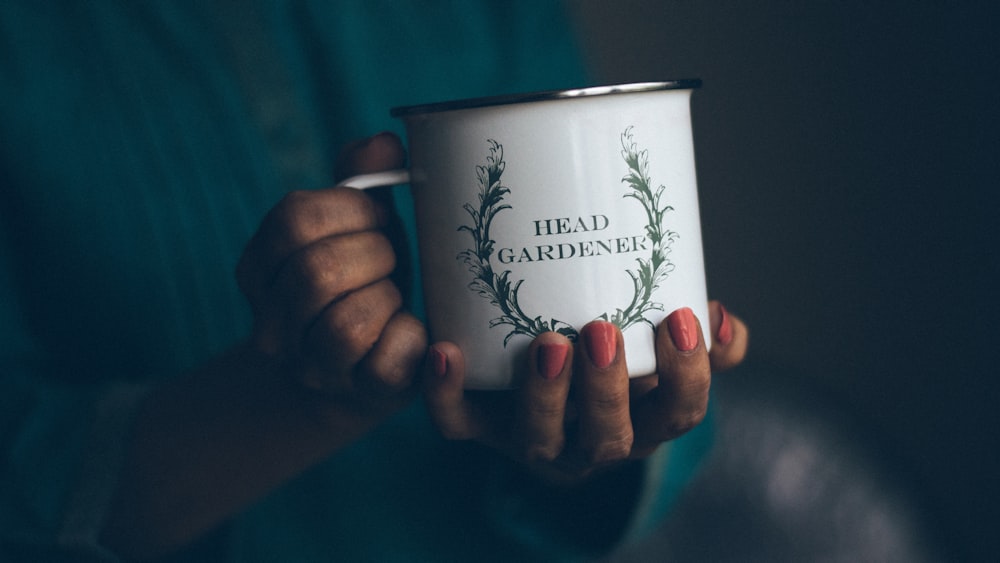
(847, 159)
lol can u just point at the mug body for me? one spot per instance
(547, 211)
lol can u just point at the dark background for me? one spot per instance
(847, 160)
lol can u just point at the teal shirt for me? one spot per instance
(142, 144)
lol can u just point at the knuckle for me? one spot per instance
(376, 243)
(610, 450)
(543, 452)
(306, 215)
(376, 248)
(295, 200)
(338, 264)
(312, 268)
(412, 331)
(395, 372)
(350, 325)
(294, 213)
(321, 264)
(406, 337)
(392, 378)
(399, 349)
(683, 423)
(609, 401)
(544, 410)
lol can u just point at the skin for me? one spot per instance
(333, 353)
(588, 417)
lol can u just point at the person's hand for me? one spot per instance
(576, 410)
(332, 354)
(318, 275)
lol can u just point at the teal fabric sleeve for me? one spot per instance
(142, 144)
(61, 440)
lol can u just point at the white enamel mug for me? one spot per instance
(546, 211)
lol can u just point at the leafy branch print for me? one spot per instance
(652, 272)
(498, 287)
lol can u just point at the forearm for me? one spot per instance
(209, 444)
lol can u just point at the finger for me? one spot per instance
(392, 364)
(680, 400)
(346, 332)
(374, 154)
(445, 396)
(602, 386)
(299, 219)
(396, 358)
(730, 338)
(542, 398)
(322, 273)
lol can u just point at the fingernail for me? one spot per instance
(683, 329)
(599, 339)
(439, 362)
(725, 333)
(551, 359)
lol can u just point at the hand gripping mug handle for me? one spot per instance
(376, 179)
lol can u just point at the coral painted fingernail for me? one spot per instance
(551, 359)
(725, 334)
(683, 329)
(439, 362)
(601, 343)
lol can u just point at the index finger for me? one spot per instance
(376, 153)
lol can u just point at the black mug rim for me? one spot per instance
(507, 99)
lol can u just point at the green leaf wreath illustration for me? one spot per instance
(651, 273)
(502, 292)
(498, 288)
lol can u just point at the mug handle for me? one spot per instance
(376, 179)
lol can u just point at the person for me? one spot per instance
(155, 407)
